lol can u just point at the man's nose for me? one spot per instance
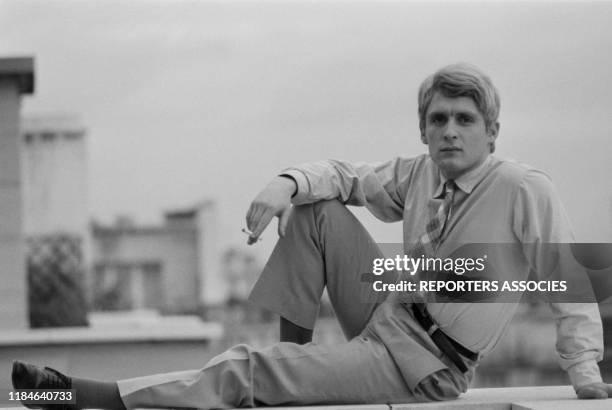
(451, 132)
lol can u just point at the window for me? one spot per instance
(47, 136)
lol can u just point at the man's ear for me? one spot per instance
(493, 132)
(423, 137)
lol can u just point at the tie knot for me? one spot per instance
(449, 187)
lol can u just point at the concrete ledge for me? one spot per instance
(333, 407)
(507, 399)
(513, 398)
(85, 335)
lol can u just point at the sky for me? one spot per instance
(186, 101)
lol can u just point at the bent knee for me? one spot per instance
(328, 205)
(325, 219)
(332, 208)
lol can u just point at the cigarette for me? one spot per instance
(246, 231)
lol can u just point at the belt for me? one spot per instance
(448, 346)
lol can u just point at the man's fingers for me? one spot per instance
(254, 217)
(593, 392)
(254, 213)
(282, 221)
(249, 217)
(263, 221)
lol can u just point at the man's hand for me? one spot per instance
(273, 200)
(595, 391)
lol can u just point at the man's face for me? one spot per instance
(456, 134)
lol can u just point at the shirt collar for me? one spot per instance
(467, 181)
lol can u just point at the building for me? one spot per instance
(16, 80)
(170, 267)
(55, 175)
(55, 223)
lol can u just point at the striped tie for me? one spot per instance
(434, 230)
(428, 243)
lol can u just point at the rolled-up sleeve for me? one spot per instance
(540, 220)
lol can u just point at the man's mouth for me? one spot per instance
(450, 149)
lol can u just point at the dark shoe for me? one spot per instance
(28, 377)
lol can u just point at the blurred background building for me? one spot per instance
(55, 175)
(16, 80)
(170, 268)
(56, 217)
(156, 267)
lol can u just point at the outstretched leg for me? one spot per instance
(359, 371)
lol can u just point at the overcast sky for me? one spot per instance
(192, 100)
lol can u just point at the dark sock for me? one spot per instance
(97, 394)
(290, 332)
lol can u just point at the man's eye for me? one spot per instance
(465, 119)
(437, 119)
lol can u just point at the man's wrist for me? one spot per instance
(584, 373)
(295, 184)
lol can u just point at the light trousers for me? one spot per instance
(325, 246)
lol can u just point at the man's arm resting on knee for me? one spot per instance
(381, 187)
(378, 186)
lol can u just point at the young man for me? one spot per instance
(397, 351)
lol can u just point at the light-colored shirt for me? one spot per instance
(502, 202)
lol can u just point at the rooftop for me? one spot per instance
(52, 122)
(21, 69)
